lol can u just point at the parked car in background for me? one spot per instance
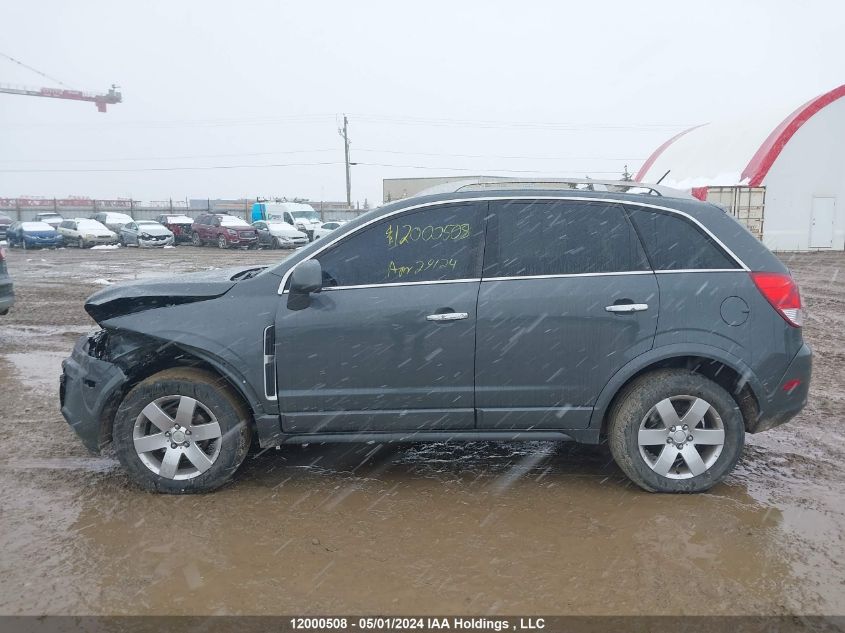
(85, 232)
(655, 323)
(5, 221)
(179, 225)
(112, 221)
(327, 228)
(145, 233)
(49, 217)
(7, 288)
(33, 235)
(297, 214)
(224, 230)
(278, 234)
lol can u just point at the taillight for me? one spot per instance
(2, 253)
(782, 292)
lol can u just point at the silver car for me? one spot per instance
(145, 233)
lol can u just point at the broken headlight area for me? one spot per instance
(127, 349)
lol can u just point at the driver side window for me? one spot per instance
(434, 244)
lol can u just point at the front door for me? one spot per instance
(821, 228)
(567, 298)
(389, 343)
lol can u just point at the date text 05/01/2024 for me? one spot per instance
(417, 624)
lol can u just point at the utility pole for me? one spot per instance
(345, 134)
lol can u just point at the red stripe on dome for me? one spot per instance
(656, 154)
(771, 148)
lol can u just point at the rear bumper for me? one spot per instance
(785, 403)
(87, 388)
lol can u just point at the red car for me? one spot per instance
(179, 225)
(224, 230)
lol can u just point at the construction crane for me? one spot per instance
(101, 100)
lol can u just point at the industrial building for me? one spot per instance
(782, 175)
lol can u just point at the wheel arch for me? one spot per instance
(721, 366)
(172, 357)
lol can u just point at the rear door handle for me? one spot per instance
(627, 307)
(447, 316)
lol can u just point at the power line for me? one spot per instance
(388, 151)
(140, 169)
(311, 151)
(473, 169)
(422, 121)
(110, 160)
(298, 164)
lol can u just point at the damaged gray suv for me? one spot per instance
(497, 311)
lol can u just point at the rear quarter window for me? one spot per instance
(673, 242)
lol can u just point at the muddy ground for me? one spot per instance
(481, 528)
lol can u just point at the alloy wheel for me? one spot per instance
(681, 437)
(177, 437)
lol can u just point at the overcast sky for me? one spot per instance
(551, 88)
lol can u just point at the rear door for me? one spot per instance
(821, 226)
(567, 298)
(389, 343)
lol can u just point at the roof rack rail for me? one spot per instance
(490, 183)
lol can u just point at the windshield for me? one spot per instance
(118, 217)
(147, 223)
(36, 226)
(228, 220)
(179, 219)
(305, 215)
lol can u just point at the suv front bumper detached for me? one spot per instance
(87, 390)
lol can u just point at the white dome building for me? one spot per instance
(800, 160)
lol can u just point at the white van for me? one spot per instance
(298, 214)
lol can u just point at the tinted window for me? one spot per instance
(433, 244)
(675, 243)
(539, 237)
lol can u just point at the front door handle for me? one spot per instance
(447, 316)
(627, 307)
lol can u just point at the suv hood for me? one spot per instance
(137, 296)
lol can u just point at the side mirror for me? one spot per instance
(307, 277)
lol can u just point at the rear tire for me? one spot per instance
(195, 239)
(645, 447)
(80, 243)
(209, 432)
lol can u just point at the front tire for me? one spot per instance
(80, 243)
(221, 242)
(183, 430)
(673, 430)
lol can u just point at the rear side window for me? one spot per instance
(673, 242)
(434, 244)
(560, 237)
